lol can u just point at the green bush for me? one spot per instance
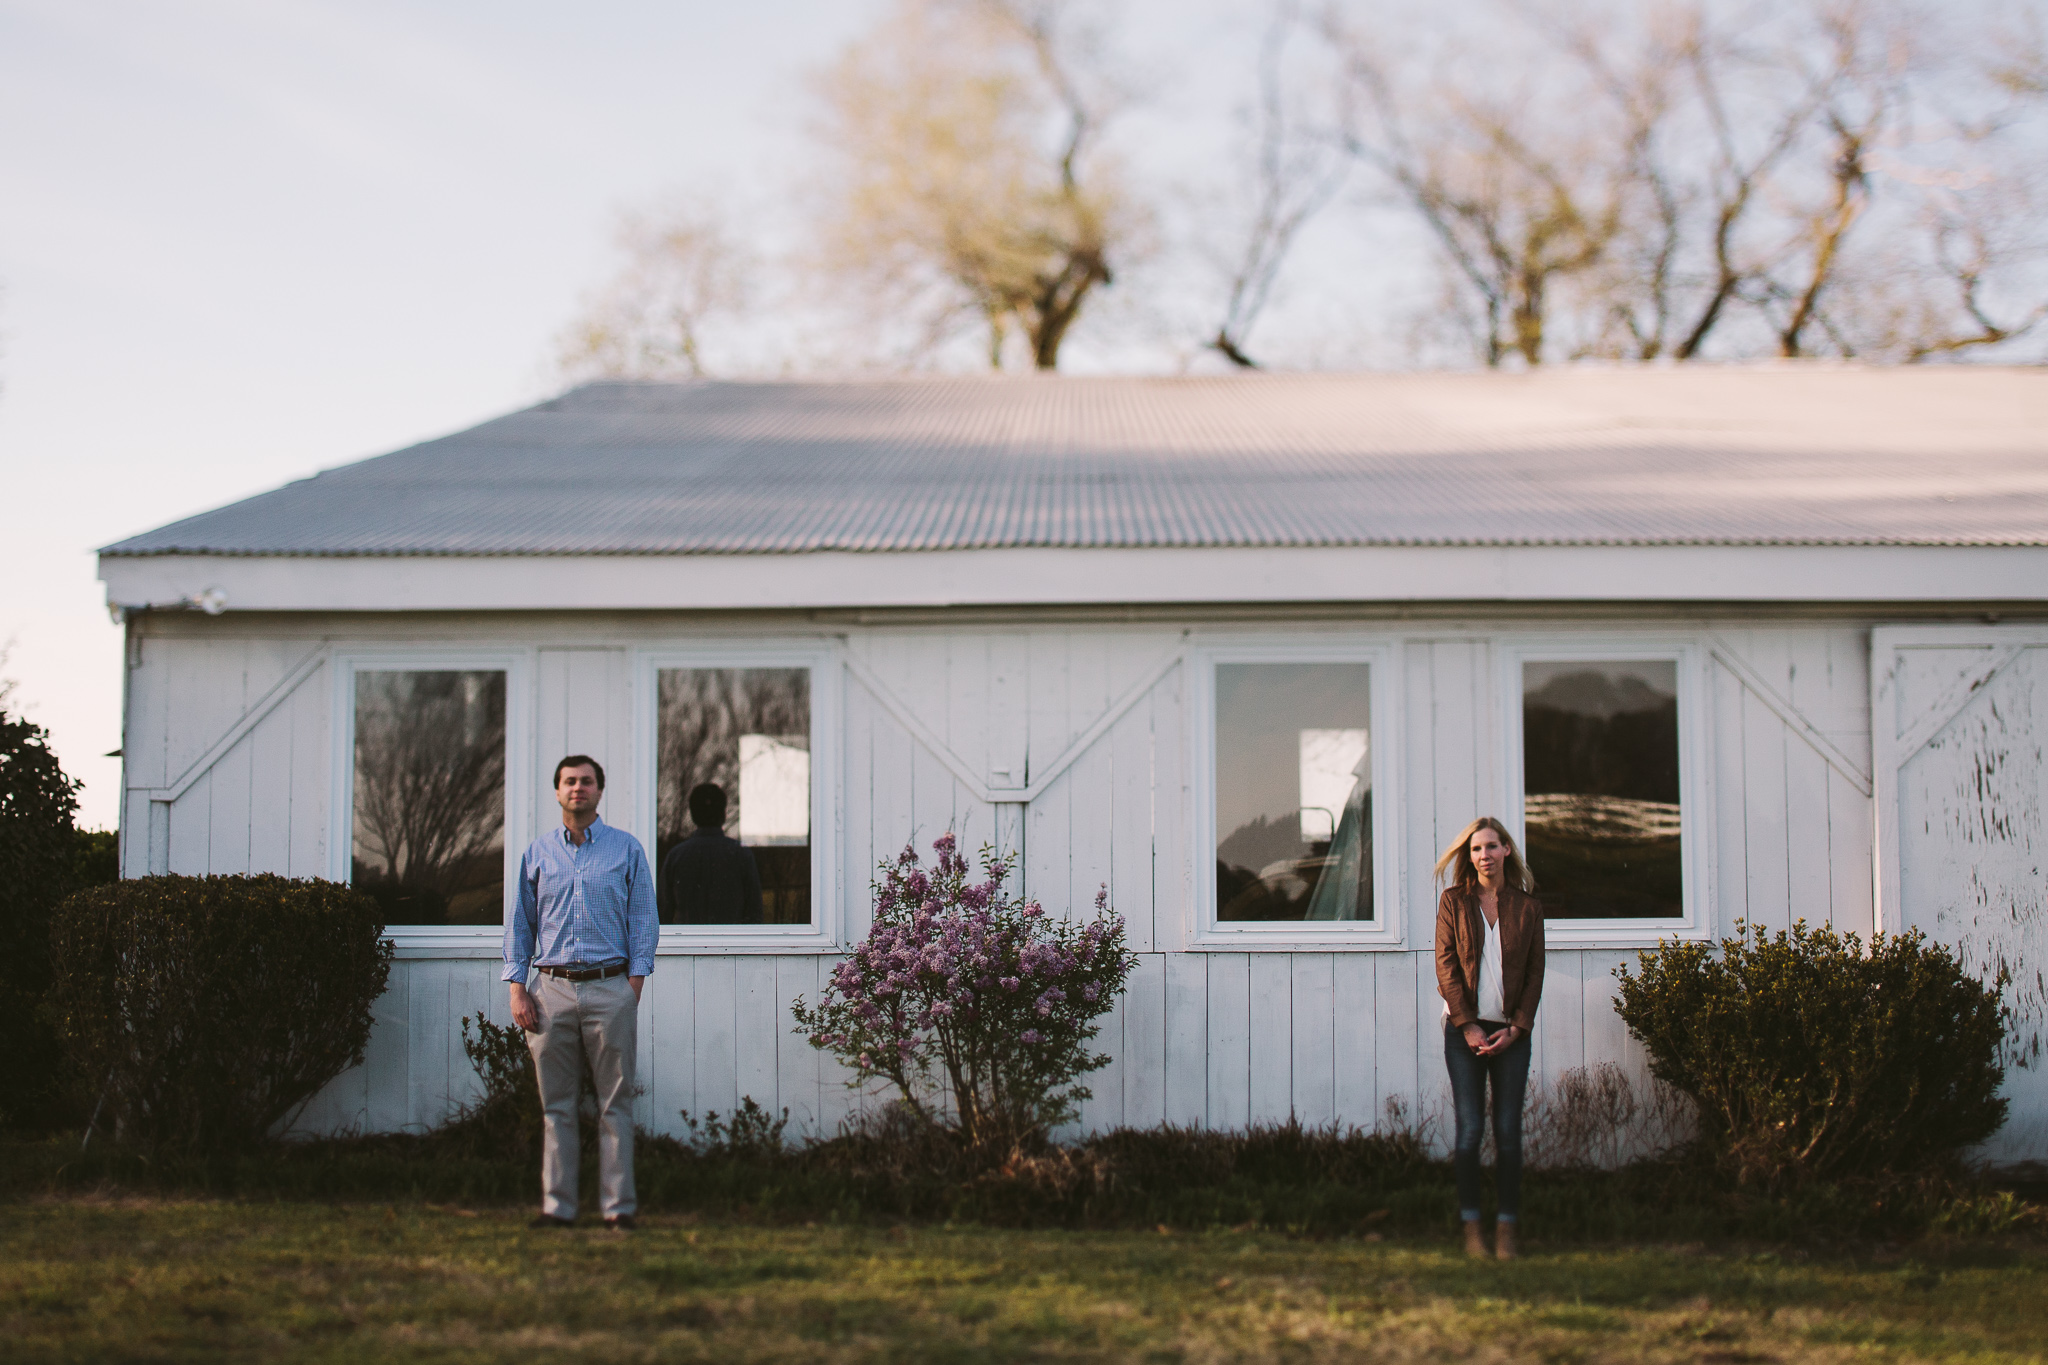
(506, 1120)
(503, 1062)
(44, 857)
(1811, 1059)
(207, 1010)
(751, 1133)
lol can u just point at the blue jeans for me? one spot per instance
(1509, 1072)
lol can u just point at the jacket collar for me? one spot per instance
(1510, 901)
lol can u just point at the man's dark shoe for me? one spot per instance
(548, 1220)
(622, 1223)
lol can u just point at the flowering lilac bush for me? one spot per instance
(976, 1005)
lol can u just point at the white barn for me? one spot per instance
(1759, 644)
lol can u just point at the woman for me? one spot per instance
(1489, 970)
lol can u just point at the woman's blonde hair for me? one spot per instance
(1457, 859)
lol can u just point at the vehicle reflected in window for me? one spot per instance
(429, 817)
(1600, 777)
(1293, 792)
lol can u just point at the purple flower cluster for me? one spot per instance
(976, 1005)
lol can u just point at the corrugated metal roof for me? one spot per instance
(1792, 454)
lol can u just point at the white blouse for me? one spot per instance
(1492, 1000)
(1492, 1005)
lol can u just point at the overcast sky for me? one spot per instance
(244, 239)
(241, 240)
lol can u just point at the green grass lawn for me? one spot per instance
(111, 1279)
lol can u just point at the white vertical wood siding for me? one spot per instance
(1964, 792)
(261, 806)
(1214, 1038)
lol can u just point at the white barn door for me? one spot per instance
(1959, 723)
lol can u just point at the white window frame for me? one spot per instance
(1388, 930)
(1695, 790)
(824, 932)
(437, 940)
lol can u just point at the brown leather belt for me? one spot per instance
(585, 973)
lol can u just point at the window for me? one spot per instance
(1297, 843)
(1602, 804)
(427, 796)
(1293, 792)
(746, 731)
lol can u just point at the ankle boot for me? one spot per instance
(1475, 1240)
(1504, 1241)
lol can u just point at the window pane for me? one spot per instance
(746, 731)
(1293, 792)
(429, 834)
(1600, 769)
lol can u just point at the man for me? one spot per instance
(584, 923)
(710, 878)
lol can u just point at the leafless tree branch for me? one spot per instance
(1296, 176)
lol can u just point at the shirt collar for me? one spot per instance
(589, 834)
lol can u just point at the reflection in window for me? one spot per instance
(1600, 769)
(748, 731)
(429, 832)
(1293, 792)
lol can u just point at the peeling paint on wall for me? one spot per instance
(1973, 813)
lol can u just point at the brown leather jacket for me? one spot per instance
(1461, 932)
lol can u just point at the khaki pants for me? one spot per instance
(597, 1021)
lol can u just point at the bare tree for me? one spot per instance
(1515, 214)
(1740, 163)
(683, 268)
(1701, 119)
(1636, 277)
(1971, 248)
(1967, 251)
(1296, 172)
(1617, 179)
(429, 776)
(967, 178)
(1823, 177)
(1860, 79)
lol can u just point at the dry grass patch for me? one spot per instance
(128, 1279)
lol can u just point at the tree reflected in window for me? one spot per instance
(429, 829)
(1293, 792)
(1600, 773)
(747, 730)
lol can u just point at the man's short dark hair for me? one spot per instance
(707, 805)
(580, 761)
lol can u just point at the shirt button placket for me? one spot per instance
(578, 900)
(575, 912)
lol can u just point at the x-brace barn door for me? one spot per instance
(1959, 723)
